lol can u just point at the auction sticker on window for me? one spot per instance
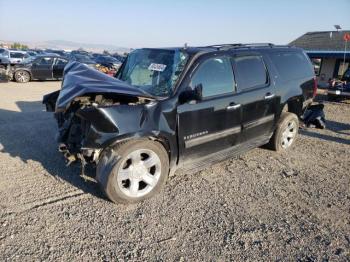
(157, 67)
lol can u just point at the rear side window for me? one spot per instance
(215, 75)
(292, 65)
(250, 71)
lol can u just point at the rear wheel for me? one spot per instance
(285, 133)
(133, 171)
(22, 76)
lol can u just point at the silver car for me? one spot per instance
(14, 56)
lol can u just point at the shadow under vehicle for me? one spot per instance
(179, 109)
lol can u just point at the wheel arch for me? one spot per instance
(162, 139)
(293, 105)
(24, 69)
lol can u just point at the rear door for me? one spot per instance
(214, 123)
(258, 98)
(58, 67)
(42, 68)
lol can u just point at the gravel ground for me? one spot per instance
(260, 206)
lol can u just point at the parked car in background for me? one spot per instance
(95, 55)
(84, 59)
(58, 52)
(32, 53)
(4, 64)
(79, 52)
(108, 61)
(339, 89)
(4, 58)
(3, 51)
(15, 56)
(179, 108)
(121, 58)
(40, 67)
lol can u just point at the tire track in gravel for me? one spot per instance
(48, 202)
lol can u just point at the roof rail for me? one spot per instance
(260, 44)
(239, 45)
(224, 45)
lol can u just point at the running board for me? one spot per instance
(207, 161)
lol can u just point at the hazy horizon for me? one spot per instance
(164, 23)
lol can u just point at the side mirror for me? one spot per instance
(198, 90)
(192, 95)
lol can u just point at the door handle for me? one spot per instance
(233, 106)
(269, 96)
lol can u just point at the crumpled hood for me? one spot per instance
(79, 79)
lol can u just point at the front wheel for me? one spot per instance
(285, 133)
(22, 76)
(133, 171)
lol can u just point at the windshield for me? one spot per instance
(153, 70)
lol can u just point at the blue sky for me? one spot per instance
(150, 23)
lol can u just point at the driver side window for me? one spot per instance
(215, 75)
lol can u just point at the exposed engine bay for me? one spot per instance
(86, 114)
(73, 127)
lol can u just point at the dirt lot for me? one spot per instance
(261, 206)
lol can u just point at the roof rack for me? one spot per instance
(239, 45)
(224, 45)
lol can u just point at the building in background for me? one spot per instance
(326, 51)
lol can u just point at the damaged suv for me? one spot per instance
(179, 108)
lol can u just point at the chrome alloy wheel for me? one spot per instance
(289, 134)
(139, 173)
(22, 76)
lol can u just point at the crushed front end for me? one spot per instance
(90, 108)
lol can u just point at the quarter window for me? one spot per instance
(215, 75)
(250, 72)
(292, 65)
(60, 61)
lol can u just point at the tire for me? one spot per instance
(22, 76)
(285, 133)
(133, 171)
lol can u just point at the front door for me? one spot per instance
(259, 102)
(42, 68)
(213, 123)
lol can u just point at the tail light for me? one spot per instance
(315, 87)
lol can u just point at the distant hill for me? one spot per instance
(69, 45)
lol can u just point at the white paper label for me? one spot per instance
(337, 92)
(157, 67)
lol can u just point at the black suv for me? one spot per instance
(179, 108)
